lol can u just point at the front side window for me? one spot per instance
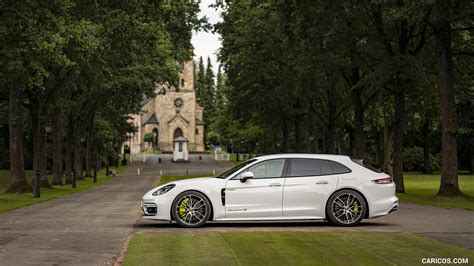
(235, 169)
(268, 169)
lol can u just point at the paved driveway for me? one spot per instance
(90, 227)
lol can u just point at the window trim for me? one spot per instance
(291, 159)
(282, 175)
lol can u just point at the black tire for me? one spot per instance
(340, 211)
(189, 215)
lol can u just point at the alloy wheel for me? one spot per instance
(347, 208)
(191, 210)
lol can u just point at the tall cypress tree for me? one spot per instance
(200, 81)
(219, 91)
(208, 93)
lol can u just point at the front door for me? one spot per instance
(257, 198)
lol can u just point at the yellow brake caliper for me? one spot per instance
(356, 208)
(182, 208)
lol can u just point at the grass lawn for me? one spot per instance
(422, 189)
(286, 248)
(152, 152)
(10, 201)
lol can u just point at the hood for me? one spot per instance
(191, 180)
(185, 182)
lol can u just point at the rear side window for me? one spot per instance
(314, 167)
(338, 168)
(365, 165)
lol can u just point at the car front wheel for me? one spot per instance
(346, 208)
(191, 209)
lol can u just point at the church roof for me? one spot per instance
(153, 119)
(199, 122)
(180, 139)
(178, 116)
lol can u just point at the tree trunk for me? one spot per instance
(472, 162)
(285, 136)
(426, 148)
(40, 158)
(331, 131)
(399, 132)
(359, 137)
(77, 153)
(58, 136)
(88, 156)
(313, 134)
(43, 159)
(297, 133)
(379, 149)
(449, 185)
(18, 182)
(68, 150)
(387, 147)
(35, 132)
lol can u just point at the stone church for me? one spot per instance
(173, 113)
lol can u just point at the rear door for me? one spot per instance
(257, 198)
(307, 187)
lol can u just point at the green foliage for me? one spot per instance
(93, 61)
(148, 137)
(413, 160)
(298, 71)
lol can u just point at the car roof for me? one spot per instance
(303, 155)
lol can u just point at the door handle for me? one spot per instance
(322, 182)
(274, 185)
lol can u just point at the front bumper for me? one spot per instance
(156, 208)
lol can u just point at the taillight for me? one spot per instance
(385, 180)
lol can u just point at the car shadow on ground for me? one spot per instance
(143, 224)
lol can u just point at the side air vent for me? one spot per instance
(223, 196)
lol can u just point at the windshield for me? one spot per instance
(235, 169)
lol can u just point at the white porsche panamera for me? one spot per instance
(277, 187)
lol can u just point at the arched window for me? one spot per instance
(182, 82)
(177, 133)
(197, 131)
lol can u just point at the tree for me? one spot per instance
(200, 81)
(446, 13)
(71, 61)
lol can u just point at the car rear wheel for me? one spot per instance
(191, 209)
(346, 208)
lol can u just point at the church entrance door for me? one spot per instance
(177, 133)
(155, 137)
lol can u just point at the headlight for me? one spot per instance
(163, 190)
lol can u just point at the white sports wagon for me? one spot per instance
(277, 187)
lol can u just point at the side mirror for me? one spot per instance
(245, 176)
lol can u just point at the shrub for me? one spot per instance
(413, 159)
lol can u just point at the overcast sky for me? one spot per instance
(206, 43)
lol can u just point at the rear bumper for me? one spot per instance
(385, 209)
(381, 199)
